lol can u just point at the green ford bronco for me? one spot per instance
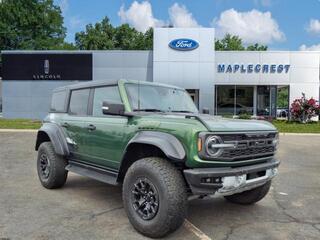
(150, 139)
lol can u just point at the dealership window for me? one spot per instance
(244, 100)
(225, 100)
(266, 101)
(234, 100)
(110, 94)
(79, 102)
(273, 101)
(283, 102)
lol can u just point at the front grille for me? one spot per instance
(247, 136)
(250, 153)
(248, 146)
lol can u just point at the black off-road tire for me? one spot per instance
(56, 175)
(250, 197)
(171, 188)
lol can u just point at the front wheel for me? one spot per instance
(251, 196)
(154, 197)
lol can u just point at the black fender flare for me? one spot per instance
(166, 142)
(56, 136)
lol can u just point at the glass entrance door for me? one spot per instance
(267, 101)
(263, 100)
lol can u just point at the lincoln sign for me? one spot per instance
(253, 68)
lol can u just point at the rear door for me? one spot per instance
(73, 123)
(105, 135)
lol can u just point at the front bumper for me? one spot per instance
(228, 181)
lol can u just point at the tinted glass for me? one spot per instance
(58, 101)
(263, 100)
(282, 101)
(79, 102)
(225, 100)
(110, 94)
(244, 100)
(234, 100)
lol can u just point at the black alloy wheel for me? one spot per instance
(145, 198)
(44, 166)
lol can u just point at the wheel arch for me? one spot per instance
(50, 132)
(151, 144)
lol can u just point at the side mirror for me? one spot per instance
(205, 111)
(109, 108)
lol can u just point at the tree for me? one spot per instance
(229, 43)
(148, 39)
(96, 37)
(127, 38)
(234, 43)
(31, 25)
(257, 47)
(103, 36)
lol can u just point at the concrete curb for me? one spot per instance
(18, 130)
(298, 134)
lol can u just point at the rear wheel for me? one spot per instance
(250, 197)
(154, 197)
(51, 167)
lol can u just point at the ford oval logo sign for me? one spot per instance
(183, 44)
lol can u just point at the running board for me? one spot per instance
(97, 173)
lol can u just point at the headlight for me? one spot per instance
(212, 146)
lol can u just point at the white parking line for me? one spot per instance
(196, 231)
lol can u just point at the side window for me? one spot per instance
(101, 94)
(58, 101)
(79, 102)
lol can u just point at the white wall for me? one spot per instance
(188, 69)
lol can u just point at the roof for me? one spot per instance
(109, 82)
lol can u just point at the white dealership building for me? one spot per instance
(226, 82)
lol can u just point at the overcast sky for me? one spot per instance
(280, 24)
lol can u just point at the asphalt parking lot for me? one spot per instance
(87, 209)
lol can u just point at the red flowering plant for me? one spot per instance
(303, 109)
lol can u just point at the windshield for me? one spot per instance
(158, 98)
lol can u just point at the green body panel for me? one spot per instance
(107, 144)
(219, 124)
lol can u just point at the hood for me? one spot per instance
(219, 124)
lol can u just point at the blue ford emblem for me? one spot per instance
(183, 44)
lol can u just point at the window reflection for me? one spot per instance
(234, 100)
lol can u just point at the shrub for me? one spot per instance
(244, 116)
(303, 109)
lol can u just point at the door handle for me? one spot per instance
(91, 127)
(65, 125)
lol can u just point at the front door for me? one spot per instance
(105, 136)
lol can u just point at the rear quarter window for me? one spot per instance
(58, 101)
(79, 102)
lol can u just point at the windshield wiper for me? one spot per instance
(147, 110)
